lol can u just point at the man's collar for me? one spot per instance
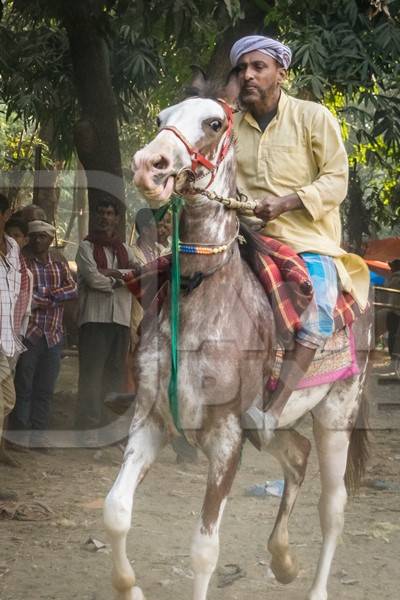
(41, 262)
(11, 244)
(283, 100)
(29, 254)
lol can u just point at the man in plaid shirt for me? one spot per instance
(10, 282)
(38, 367)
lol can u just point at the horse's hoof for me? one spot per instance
(285, 568)
(134, 593)
(317, 596)
(137, 594)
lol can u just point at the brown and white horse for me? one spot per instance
(226, 341)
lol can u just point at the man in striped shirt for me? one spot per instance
(38, 367)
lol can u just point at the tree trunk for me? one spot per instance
(79, 204)
(74, 212)
(46, 192)
(13, 183)
(96, 134)
(81, 201)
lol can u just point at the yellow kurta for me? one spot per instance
(302, 151)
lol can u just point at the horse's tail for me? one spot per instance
(358, 453)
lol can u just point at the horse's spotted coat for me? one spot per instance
(226, 343)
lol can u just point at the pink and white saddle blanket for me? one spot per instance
(336, 360)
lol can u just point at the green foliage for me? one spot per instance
(36, 77)
(17, 146)
(150, 45)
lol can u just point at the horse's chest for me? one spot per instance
(221, 315)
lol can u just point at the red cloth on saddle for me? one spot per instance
(284, 276)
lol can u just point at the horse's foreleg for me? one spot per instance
(141, 451)
(224, 458)
(291, 450)
(332, 449)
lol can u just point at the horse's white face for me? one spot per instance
(201, 122)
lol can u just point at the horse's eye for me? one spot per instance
(158, 122)
(216, 125)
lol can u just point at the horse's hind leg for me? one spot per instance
(332, 447)
(223, 452)
(141, 450)
(291, 449)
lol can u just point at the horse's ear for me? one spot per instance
(198, 83)
(199, 77)
(231, 89)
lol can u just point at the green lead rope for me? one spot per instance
(159, 213)
(173, 388)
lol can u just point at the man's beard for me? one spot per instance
(250, 101)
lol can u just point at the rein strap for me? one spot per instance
(196, 156)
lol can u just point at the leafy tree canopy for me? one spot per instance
(146, 41)
(346, 54)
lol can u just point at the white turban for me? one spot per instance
(42, 227)
(263, 44)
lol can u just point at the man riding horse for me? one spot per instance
(291, 159)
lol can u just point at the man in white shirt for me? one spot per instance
(104, 316)
(10, 283)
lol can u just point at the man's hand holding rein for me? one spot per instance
(270, 207)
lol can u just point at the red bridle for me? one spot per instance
(197, 157)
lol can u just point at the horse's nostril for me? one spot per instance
(161, 163)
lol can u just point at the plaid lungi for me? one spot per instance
(285, 278)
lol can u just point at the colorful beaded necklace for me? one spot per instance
(207, 249)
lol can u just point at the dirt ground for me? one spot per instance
(49, 559)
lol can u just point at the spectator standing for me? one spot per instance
(164, 232)
(147, 247)
(104, 317)
(18, 230)
(38, 367)
(10, 283)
